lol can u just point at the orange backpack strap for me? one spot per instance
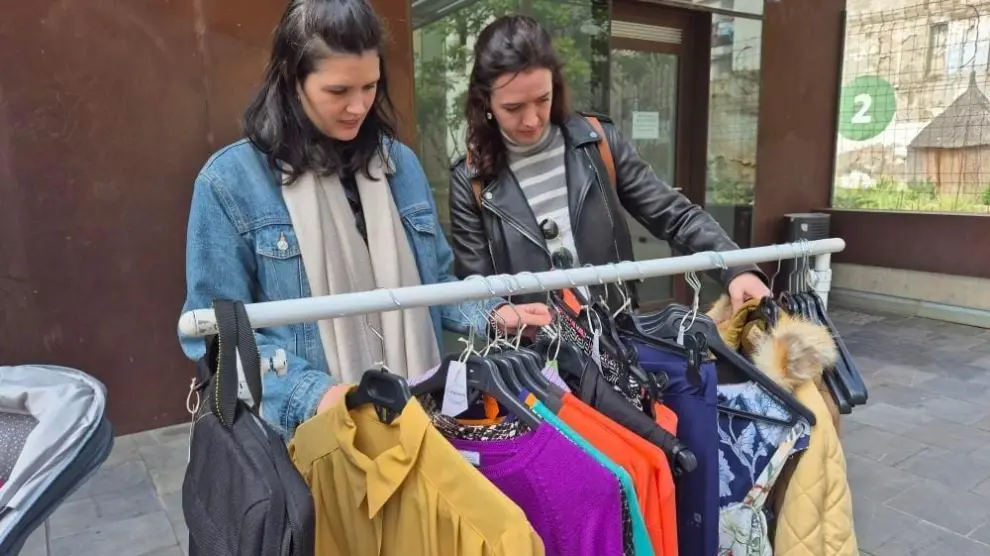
(604, 148)
(475, 184)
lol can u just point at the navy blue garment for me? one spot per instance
(697, 428)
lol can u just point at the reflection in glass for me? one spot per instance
(644, 108)
(732, 127)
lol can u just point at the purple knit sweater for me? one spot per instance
(573, 503)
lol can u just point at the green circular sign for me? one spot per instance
(866, 108)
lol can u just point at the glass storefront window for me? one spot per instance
(914, 116)
(734, 101)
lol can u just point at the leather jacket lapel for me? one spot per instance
(505, 198)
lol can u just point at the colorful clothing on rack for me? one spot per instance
(575, 334)
(573, 502)
(746, 445)
(505, 429)
(645, 462)
(549, 372)
(636, 539)
(743, 527)
(694, 402)
(400, 489)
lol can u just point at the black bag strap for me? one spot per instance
(235, 338)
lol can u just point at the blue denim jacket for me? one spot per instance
(234, 251)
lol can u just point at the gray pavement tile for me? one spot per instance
(952, 469)
(946, 507)
(926, 539)
(136, 536)
(951, 436)
(879, 445)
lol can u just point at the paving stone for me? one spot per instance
(113, 477)
(890, 418)
(981, 534)
(877, 524)
(879, 445)
(951, 436)
(170, 434)
(965, 390)
(136, 536)
(982, 489)
(902, 374)
(876, 481)
(956, 411)
(898, 394)
(952, 509)
(172, 551)
(949, 468)
(926, 539)
(167, 464)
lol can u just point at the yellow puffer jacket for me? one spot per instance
(814, 513)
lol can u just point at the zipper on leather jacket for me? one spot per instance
(518, 228)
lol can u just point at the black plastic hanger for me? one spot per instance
(527, 373)
(845, 367)
(704, 324)
(482, 376)
(388, 392)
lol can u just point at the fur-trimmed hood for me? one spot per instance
(792, 352)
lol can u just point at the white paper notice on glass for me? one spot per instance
(646, 125)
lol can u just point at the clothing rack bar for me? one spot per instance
(202, 322)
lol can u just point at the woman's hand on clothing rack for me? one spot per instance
(512, 317)
(747, 286)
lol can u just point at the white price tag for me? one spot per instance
(474, 458)
(455, 399)
(596, 349)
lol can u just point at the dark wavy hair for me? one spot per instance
(275, 122)
(509, 45)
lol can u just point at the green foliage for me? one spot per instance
(891, 194)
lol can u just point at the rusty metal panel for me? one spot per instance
(929, 242)
(107, 111)
(798, 111)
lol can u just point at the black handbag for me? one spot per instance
(241, 495)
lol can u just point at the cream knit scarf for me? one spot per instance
(337, 261)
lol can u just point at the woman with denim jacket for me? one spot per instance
(320, 199)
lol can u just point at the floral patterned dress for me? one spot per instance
(751, 455)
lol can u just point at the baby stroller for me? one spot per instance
(53, 436)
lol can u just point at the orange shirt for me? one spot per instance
(645, 462)
(666, 418)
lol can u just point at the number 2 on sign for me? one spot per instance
(863, 102)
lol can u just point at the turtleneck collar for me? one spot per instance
(549, 132)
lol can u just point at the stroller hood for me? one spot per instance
(68, 406)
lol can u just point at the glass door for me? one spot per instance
(652, 103)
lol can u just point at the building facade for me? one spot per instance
(108, 111)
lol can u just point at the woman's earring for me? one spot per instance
(489, 114)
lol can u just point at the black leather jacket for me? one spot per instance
(504, 237)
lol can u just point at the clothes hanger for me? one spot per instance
(387, 391)
(482, 376)
(528, 364)
(703, 324)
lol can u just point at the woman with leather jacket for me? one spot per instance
(535, 191)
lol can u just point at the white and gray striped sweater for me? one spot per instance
(539, 169)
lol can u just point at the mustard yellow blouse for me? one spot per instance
(402, 489)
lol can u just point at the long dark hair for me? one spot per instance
(275, 121)
(509, 45)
